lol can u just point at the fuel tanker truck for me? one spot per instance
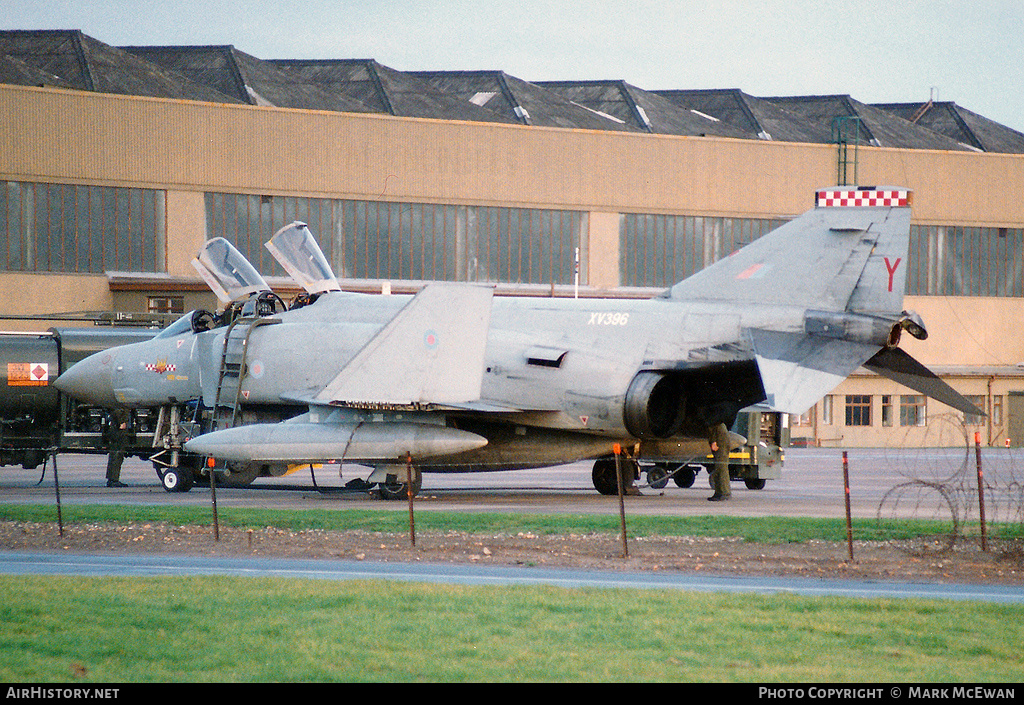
(35, 418)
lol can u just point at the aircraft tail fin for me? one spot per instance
(847, 254)
(844, 263)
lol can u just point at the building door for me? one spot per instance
(1015, 419)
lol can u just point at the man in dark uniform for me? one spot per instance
(116, 438)
(720, 475)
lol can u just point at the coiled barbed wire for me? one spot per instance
(941, 470)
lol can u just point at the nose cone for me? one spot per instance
(90, 380)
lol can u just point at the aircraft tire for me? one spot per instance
(393, 489)
(241, 477)
(657, 477)
(604, 475)
(179, 479)
(684, 476)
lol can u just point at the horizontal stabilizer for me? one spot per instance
(797, 370)
(431, 352)
(899, 366)
(300, 442)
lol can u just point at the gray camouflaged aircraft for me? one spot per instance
(455, 379)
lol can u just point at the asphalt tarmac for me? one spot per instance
(904, 483)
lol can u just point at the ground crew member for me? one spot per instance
(720, 475)
(116, 437)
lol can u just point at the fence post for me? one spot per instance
(981, 490)
(849, 520)
(622, 507)
(56, 489)
(408, 491)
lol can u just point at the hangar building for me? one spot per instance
(117, 163)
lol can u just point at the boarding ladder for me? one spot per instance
(233, 369)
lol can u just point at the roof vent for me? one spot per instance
(482, 98)
(705, 115)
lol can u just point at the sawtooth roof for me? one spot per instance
(525, 102)
(16, 71)
(754, 117)
(86, 64)
(246, 78)
(960, 124)
(222, 73)
(877, 127)
(643, 110)
(383, 89)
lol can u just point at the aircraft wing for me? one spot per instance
(431, 352)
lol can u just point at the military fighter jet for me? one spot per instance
(456, 379)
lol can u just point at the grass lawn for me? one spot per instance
(220, 629)
(123, 630)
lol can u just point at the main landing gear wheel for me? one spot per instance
(393, 489)
(604, 476)
(241, 475)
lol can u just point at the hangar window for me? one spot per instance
(979, 401)
(912, 410)
(410, 241)
(661, 250)
(948, 260)
(887, 410)
(77, 228)
(165, 304)
(827, 410)
(944, 260)
(804, 419)
(858, 409)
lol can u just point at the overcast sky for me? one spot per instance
(969, 52)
